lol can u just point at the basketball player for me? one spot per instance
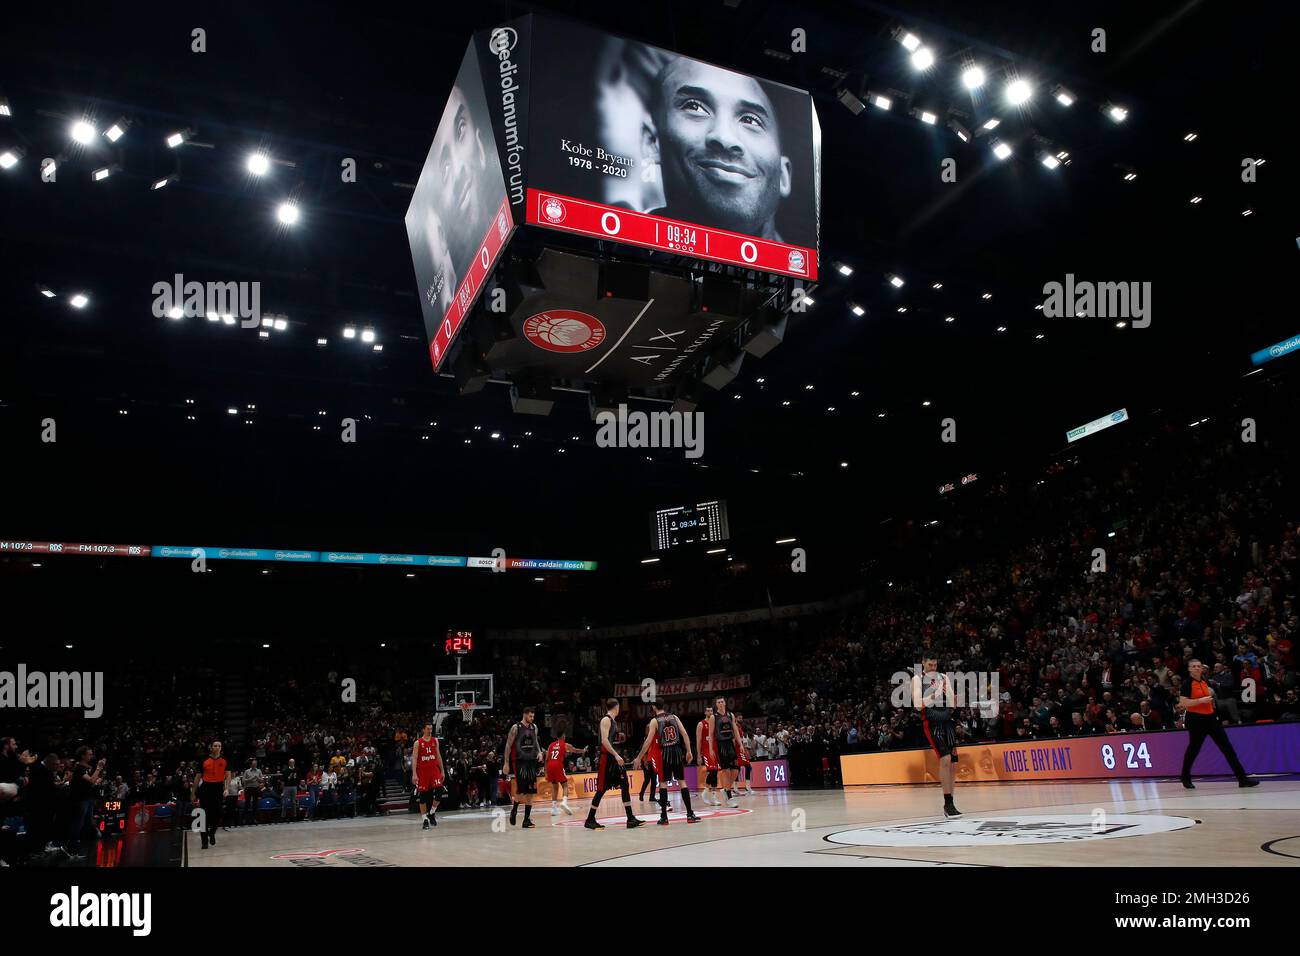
(666, 733)
(744, 772)
(651, 762)
(723, 734)
(707, 768)
(715, 137)
(555, 776)
(932, 693)
(427, 775)
(609, 770)
(1201, 721)
(523, 754)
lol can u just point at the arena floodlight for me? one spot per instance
(263, 334)
(213, 317)
(1195, 200)
(843, 268)
(786, 540)
(1063, 96)
(851, 102)
(117, 130)
(1190, 137)
(227, 319)
(4, 107)
(82, 131)
(349, 332)
(1115, 112)
(160, 183)
(973, 77)
(909, 40)
(176, 312)
(1001, 150)
(102, 173)
(368, 336)
(281, 324)
(46, 291)
(1018, 92)
(1048, 160)
(882, 102)
(177, 138)
(378, 347)
(258, 164)
(321, 342)
(287, 213)
(649, 560)
(923, 58)
(928, 117)
(1130, 176)
(267, 321)
(79, 301)
(896, 281)
(9, 158)
(993, 123)
(857, 310)
(962, 132)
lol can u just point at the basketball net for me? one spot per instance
(467, 711)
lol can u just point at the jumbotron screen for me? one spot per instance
(705, 522)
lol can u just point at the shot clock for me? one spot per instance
(458, 643)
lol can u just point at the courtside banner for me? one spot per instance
(1263, 748)
(631, 143)
(459, 218)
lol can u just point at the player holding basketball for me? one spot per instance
(707, 768)
(555, 775)
(723, 735)
(427, 775)
(932, 693)
(523, 753)
(609, 770)
(666, 733)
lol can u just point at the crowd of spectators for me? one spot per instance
(1083, 597)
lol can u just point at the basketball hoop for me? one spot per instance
(467, 711)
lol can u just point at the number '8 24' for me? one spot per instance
(1132, 754)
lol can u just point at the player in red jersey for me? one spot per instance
(427, 775)
(706, 766)
(651, 761)
(555, 775)
(932, 693)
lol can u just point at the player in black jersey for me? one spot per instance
(932, 693)
(674, 754)
(523, 759)
(609, 769)
(722, 738)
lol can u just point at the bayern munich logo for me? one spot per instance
(797, 261)
(564, 330)
(553, 210)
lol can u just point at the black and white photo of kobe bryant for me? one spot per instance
(716, 139)
(463, 158)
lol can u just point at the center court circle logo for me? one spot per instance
(564, 330)
(1003, 830)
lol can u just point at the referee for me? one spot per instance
(1201, 721)
(212, 793)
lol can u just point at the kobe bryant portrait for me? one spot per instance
(460, 162)
(715, 136)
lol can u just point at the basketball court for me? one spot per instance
(1130, 823)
